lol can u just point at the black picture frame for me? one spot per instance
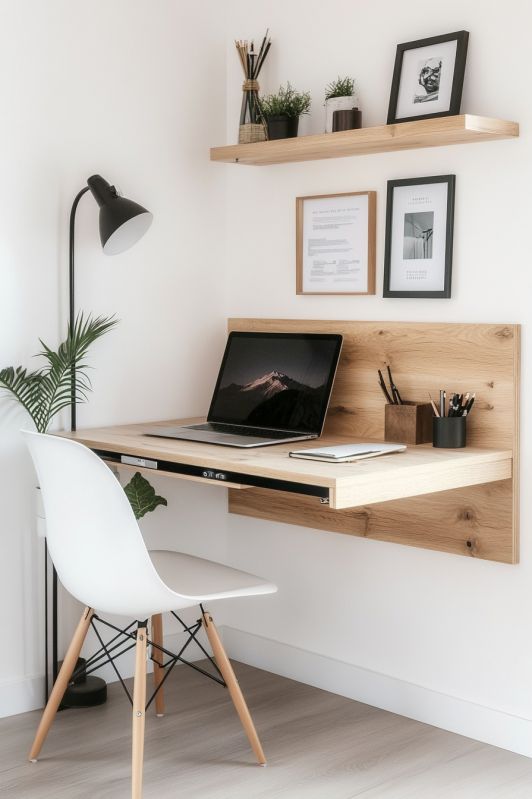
(462, 38)
(445, 293)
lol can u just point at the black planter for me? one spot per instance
(282, 127)
(347, 120)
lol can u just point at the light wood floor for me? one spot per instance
(319, 746)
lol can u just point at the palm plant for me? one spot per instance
(45, 392)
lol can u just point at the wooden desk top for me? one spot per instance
(419, 470)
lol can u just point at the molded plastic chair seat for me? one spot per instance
(201, 580)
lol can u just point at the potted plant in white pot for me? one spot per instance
(282, 111)
(340, 95)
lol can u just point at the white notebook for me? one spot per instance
(343, 453)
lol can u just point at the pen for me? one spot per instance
(453, 406)
(469, 405)
(442, 402)
(384, 389)
(395, 392)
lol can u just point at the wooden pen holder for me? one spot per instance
(409, 423)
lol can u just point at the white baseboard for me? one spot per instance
(21, 696)
(27, 693)
(457, 715)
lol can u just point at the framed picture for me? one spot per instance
(419, 237)
(428, 78)
(335, 243)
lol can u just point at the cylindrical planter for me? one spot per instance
(449, 431)
(349, 119)
(338, 104)
(282, 127)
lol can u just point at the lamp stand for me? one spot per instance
(83, 691)
(122, 223)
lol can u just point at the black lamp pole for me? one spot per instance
(122, 223)
(71, 280)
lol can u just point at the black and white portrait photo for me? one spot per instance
(428, 78)
(418, 232)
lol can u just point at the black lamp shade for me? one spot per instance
(122, 222)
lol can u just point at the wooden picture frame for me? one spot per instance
(428, 78)
(419, 237)
(350, 219)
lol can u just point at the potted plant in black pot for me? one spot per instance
(282, 111)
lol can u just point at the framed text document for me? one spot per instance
(335, 246)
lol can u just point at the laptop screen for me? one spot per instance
(279, 381)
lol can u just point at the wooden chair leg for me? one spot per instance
(158, 658)
(234, 688)
(61, 683)
(139, 712)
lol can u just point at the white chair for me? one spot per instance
(101, 559)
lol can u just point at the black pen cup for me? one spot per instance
(449, 431)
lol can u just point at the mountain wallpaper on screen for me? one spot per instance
(273, 400)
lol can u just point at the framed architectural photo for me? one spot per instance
(335, 244)
(419, 237)
(428, 77)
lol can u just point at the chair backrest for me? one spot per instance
(93, 537)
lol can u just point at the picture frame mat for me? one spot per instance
(445, 292)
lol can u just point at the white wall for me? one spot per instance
(133, 90)
(438, 637)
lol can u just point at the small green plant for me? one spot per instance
(287, 102)
(341, 87)
(142, 496)
(44, 392)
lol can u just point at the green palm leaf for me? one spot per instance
(25, 387)
(45, 392)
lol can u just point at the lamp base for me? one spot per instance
(86, 694)
(85, 691)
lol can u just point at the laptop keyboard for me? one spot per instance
(256, 432)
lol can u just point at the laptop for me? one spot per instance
(272, 388)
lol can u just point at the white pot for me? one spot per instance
(338, 104)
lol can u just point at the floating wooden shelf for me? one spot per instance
(462, 129)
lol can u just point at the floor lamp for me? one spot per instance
(122, 223)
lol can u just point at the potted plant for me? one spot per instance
(282, 111)
(340, 95)
(44, 392)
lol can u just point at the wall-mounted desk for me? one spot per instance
(463, 501)
(418, 471)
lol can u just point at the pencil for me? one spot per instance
(434, 408)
